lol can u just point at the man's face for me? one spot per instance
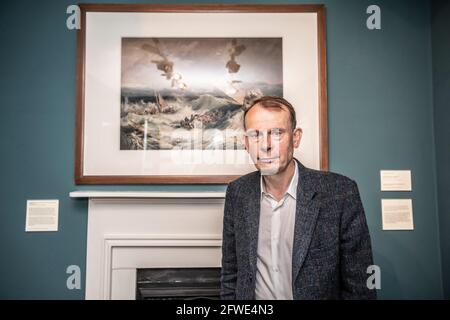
(270, 139)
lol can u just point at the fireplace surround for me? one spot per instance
(130, 230)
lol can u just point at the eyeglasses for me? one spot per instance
(274, 134)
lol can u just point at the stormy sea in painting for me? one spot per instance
(190, 93)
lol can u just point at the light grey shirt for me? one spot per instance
(275, 242)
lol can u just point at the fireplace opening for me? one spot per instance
(178, 283)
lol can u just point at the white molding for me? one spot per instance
(146, 194)
(123, 284)
(128, 233)
(169, 238)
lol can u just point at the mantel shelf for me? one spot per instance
(145, 194)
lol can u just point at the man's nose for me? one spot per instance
(265, 143)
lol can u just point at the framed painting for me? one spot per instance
(161, 89)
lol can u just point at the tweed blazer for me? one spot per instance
(331, 249)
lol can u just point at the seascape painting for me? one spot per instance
(191, 93)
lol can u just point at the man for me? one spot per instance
(291, 232)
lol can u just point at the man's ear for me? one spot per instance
(297, 137)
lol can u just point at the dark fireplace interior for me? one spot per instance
(178, 283)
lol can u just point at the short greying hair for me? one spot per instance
(277, 102)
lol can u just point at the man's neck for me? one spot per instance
(277, 184)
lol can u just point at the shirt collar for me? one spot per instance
(292, 189)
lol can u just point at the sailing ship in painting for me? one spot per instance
(172, 87)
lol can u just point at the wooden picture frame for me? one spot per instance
(98, 158)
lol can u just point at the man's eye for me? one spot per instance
(275, 132)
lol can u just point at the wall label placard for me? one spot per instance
(42, 215)
(395, 180)
(397, 214)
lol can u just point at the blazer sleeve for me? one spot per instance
(355, 248)
(229, 262)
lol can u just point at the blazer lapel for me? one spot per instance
(252, 208)
(306, 213)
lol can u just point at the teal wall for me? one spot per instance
(380, 117)
(441, 87)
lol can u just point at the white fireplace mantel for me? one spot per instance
(91, 194)
(128, 230)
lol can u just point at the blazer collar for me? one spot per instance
(306, 213)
